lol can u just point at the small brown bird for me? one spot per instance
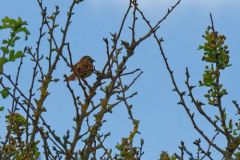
(82, 69)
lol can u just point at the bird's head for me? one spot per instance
(89, 59)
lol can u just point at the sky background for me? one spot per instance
(163, 123)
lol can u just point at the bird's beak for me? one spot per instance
(93, 60)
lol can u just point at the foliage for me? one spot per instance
(9, 53)
(16, 123)
(16, 26)
(17, 148)
(28, 131)
(126, 148)
(216, 53)
(165, 156)
(5, 92)
(216, 56)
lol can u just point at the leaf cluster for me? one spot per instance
(216, 54)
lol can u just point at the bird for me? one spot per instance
(82, 69)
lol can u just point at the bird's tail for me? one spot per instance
(71, 77)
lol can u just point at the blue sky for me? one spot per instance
(163, 124)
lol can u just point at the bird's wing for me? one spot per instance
(82, 67)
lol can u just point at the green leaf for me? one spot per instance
(24, 29)
(1, 69)
(4, 92)
(15, 39)
(19, 54)
(3, 61)
(11, 55)
(1, 108)
(6, 20)
(4, 41)
(5, 50)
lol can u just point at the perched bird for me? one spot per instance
(82, 69)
